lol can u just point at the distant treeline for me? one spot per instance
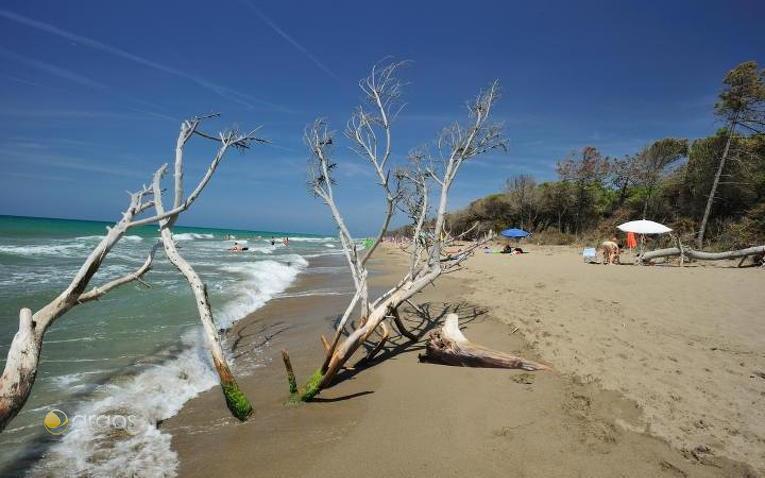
(669, 181)
(594, 194)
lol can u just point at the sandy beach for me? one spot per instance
(657, 373)
(317, 241)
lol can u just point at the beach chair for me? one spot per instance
(590, 255)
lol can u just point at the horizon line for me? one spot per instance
(100, 221)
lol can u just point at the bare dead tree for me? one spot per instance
(23, 357)
(414, 203)
(428, 256)
(236, 401)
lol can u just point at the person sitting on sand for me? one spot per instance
(610, 251)
(511, 250)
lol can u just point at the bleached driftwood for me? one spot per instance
(236, 401)
(456, 144)
(23, 357)
(701, 255)
(449, 346)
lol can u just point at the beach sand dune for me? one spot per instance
(603, 412)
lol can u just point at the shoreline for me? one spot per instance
(402, 418)
(138, 355)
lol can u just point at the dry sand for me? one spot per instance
(687, 344)
(639, 353)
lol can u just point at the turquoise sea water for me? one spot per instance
(136, 352)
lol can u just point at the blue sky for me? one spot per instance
(92, 92)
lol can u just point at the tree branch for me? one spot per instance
(98, 292)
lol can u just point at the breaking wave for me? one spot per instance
(156, 394)
(159, 390)
(41, 250)
(263, 280)
(190, 236)
(312, 239)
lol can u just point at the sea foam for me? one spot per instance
(263, 280)
(156, 394)
(160, 391)
(312, 239)
(190, 236)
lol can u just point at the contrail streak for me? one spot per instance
(291, 40)
(223, 91)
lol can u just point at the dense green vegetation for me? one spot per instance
(669, 181)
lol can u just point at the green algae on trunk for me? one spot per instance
(236, 401)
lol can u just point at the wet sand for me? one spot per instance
(598, 414)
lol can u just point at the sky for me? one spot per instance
(92, 93)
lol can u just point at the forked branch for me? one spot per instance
(367, 131)
(22, 362)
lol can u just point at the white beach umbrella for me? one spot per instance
(644, 227)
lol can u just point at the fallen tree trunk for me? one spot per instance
(702, 256)
(449, 346)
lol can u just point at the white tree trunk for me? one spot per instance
(23, 357)
(24, 354)
(235, 399)
(21, 368)
(463, 143)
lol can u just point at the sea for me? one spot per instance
(136, 353)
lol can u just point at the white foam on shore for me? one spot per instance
(315, 292)
(263, 280)
(159, 391)
(156, 394)
(334, 252)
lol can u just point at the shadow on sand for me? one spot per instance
(419, 322)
